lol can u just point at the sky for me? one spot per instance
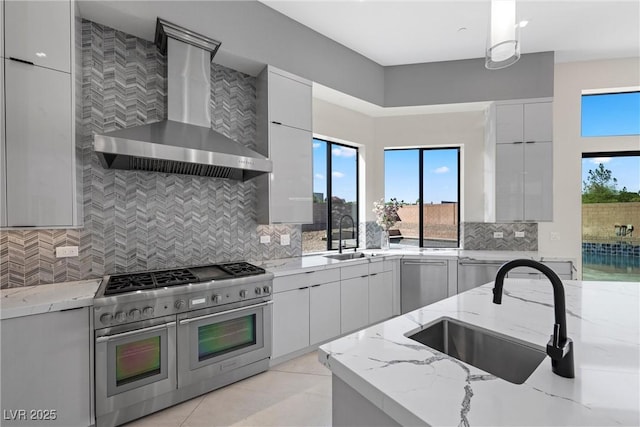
(440, 175)
(343, 174)
(625, 169)
(611, 114)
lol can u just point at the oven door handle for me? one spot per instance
(235, 310)
(108, 338)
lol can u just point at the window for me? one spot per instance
(611, 114)
(335, 194)
(426, 181)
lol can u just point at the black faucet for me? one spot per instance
(353, 224)
(559, 347)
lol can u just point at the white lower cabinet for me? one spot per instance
(316, 306)
(46, 368)
(380, 296)
(324, 312)
(354, 303)
(290, 321)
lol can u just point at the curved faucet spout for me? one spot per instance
(560, 347)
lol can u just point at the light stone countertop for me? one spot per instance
(28, 300)
(416, 385)
(287, 266)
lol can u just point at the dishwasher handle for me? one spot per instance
(424, 263)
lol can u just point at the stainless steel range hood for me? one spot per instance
(185, 143)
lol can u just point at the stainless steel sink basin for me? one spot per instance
(346, 255)
(510, 360)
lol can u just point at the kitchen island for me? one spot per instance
(382, 377)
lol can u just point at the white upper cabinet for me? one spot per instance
(39, 146)
(39, 32)
(524, 161)
(538, 122)
(284, 136)
(3, 146)
(289, 101)
(38, 140)
(518, 123)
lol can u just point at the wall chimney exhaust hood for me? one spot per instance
(185, 143)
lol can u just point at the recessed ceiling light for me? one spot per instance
(41, 54)
(523, 23)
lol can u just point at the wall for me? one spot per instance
(468, 80)
(569, 81)
(143, 220)
(599, 221)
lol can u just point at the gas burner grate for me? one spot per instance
(242, 269)
(129, 283)
(174, 277)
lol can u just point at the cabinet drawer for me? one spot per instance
(287, 283)
(354, 271)
(306, 279)
(376, 267)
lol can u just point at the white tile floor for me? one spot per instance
(294, 393)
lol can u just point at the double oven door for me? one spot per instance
(134, 363)
(217, 340)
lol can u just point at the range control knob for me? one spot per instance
(266, 289)
(180, 304)
(134, 314)
(258, 290)
(243, 293)
(147, 311)
(121, 316)
(217, 299)
(106, 318)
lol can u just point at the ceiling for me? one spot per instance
(407, 32)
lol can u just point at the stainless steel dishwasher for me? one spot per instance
(475, 272)
(423, 282)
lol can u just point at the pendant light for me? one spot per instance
(503, 40)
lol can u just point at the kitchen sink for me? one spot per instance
(507, 359)
(346, 255)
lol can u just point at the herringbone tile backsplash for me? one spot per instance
(143, 220)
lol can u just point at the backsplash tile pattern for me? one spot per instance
(144, 220)
(479, 236)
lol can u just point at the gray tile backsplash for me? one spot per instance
(143, 220)
(479, 236)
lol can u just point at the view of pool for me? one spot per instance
(619, 268)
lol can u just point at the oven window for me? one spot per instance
(224, 337)
(137, 360)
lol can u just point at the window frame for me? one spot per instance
(329, 146)
(421, 151)
(602, 92)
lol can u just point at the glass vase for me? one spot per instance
(384, 240)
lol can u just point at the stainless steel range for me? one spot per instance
(162, 337)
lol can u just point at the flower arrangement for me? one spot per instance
(386, 213)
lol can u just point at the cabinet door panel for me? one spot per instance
(39, 146)
(354, 304)
(380, 296)
(324, 312)
(289, 102)
(40, 32)
(509, 123)
(538, 181)
(290, 321)
(3, 171)
(509, 182)
(538, 122)
(60, 380)
(291, 183)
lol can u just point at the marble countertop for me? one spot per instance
(287, 266)
(28, 300)
(416, 385)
